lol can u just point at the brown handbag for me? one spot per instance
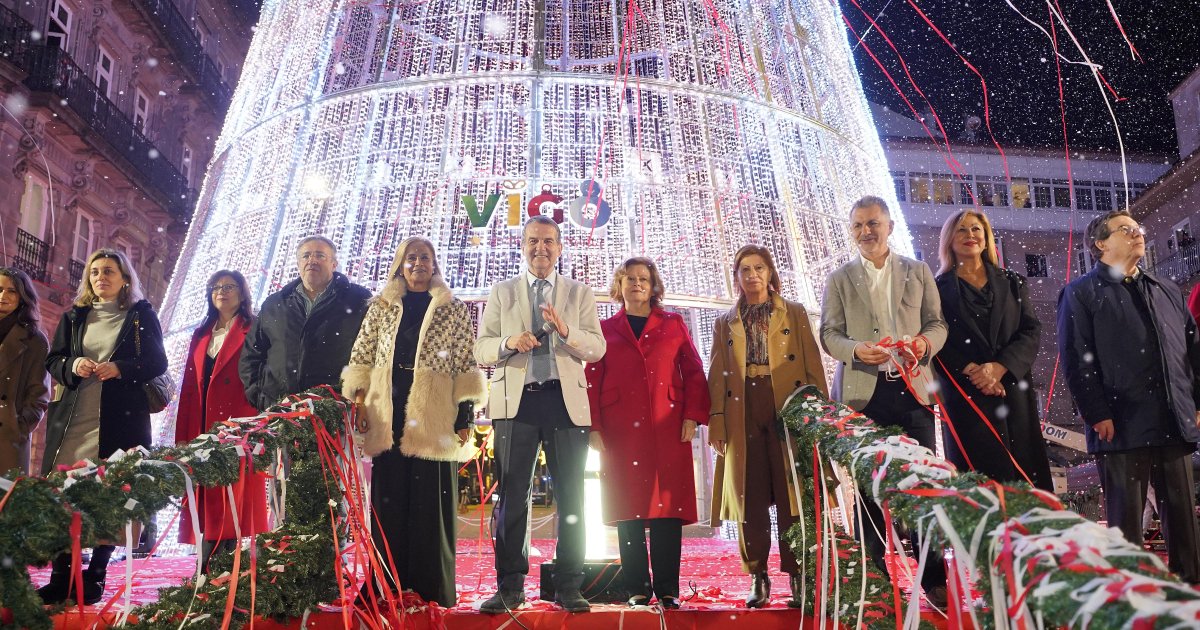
(160, 390)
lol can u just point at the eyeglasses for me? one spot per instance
(1132, 230)
(223, 288)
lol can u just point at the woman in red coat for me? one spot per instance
(647, 395)
(212, 392)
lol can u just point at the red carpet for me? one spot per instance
(712, 587)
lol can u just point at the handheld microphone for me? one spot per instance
(541, 335)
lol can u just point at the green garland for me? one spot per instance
(1025, 531)
(295, 562)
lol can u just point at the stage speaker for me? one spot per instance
(601, 582)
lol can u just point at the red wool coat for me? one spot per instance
(640, 394)
(226, 399)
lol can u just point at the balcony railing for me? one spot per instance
(14, 33)
(52, 70)
(1181, 266)
(190, 52)
(74, 272)
(33, 256)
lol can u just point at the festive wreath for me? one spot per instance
(1035, 563)
(282, 574)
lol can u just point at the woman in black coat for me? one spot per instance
(989, 354)
(106, 347)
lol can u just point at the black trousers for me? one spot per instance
(414, 501)
(542, 420)
(666, 543)
(892, 405)
(1124, 476)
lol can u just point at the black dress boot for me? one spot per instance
(96, 574)
(59, 587)
(760, 590)
(211, 548)
(797, 599)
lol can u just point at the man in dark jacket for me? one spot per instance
(304, 332)
(1131, 356)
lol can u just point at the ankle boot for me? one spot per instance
(760, 590)
(212, 548)
(797, 599)
(58, 588)
(96, 574)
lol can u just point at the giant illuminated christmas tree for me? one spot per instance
(676, 129)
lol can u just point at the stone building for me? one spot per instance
(1170, 209)
(1038, 214)
(111, 110)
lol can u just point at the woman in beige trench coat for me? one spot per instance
(763, 349)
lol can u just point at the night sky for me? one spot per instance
(1017, 61)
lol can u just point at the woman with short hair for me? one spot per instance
(647, 396)
(211, 393)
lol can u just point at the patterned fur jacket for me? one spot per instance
(445, 374)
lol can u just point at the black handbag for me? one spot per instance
(160, 390)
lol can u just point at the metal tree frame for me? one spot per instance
(706, 124)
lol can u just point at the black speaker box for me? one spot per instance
(601, 582)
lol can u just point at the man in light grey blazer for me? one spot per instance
(877, 296)
(538, 330)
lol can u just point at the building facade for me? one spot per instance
(1037, 211)
(112, 108)
(1170, 209)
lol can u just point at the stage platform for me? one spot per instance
(712, 585)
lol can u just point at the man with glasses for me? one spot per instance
(539, 329)
(304, 332)
(1131, 356)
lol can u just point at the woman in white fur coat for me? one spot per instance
(413, 374)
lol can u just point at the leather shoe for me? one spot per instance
(93, 590)
(639, 600)
(937, 597)
(54, 592)
(503, 601)
(573, 602)
(797, 599)
(760, 590)
(669, 603)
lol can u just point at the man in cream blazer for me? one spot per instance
(538, 330)
(881, 295)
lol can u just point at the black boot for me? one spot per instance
(760, 590)
(211, 548)
(96, 573)
(59, 587)
(797, 599)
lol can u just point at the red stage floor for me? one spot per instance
(713, 588)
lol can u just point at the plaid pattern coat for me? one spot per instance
(445, 373)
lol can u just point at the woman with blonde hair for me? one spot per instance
(988, 358)
(107, 346)
(762, 350)
(413, 373)
(647, 396)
